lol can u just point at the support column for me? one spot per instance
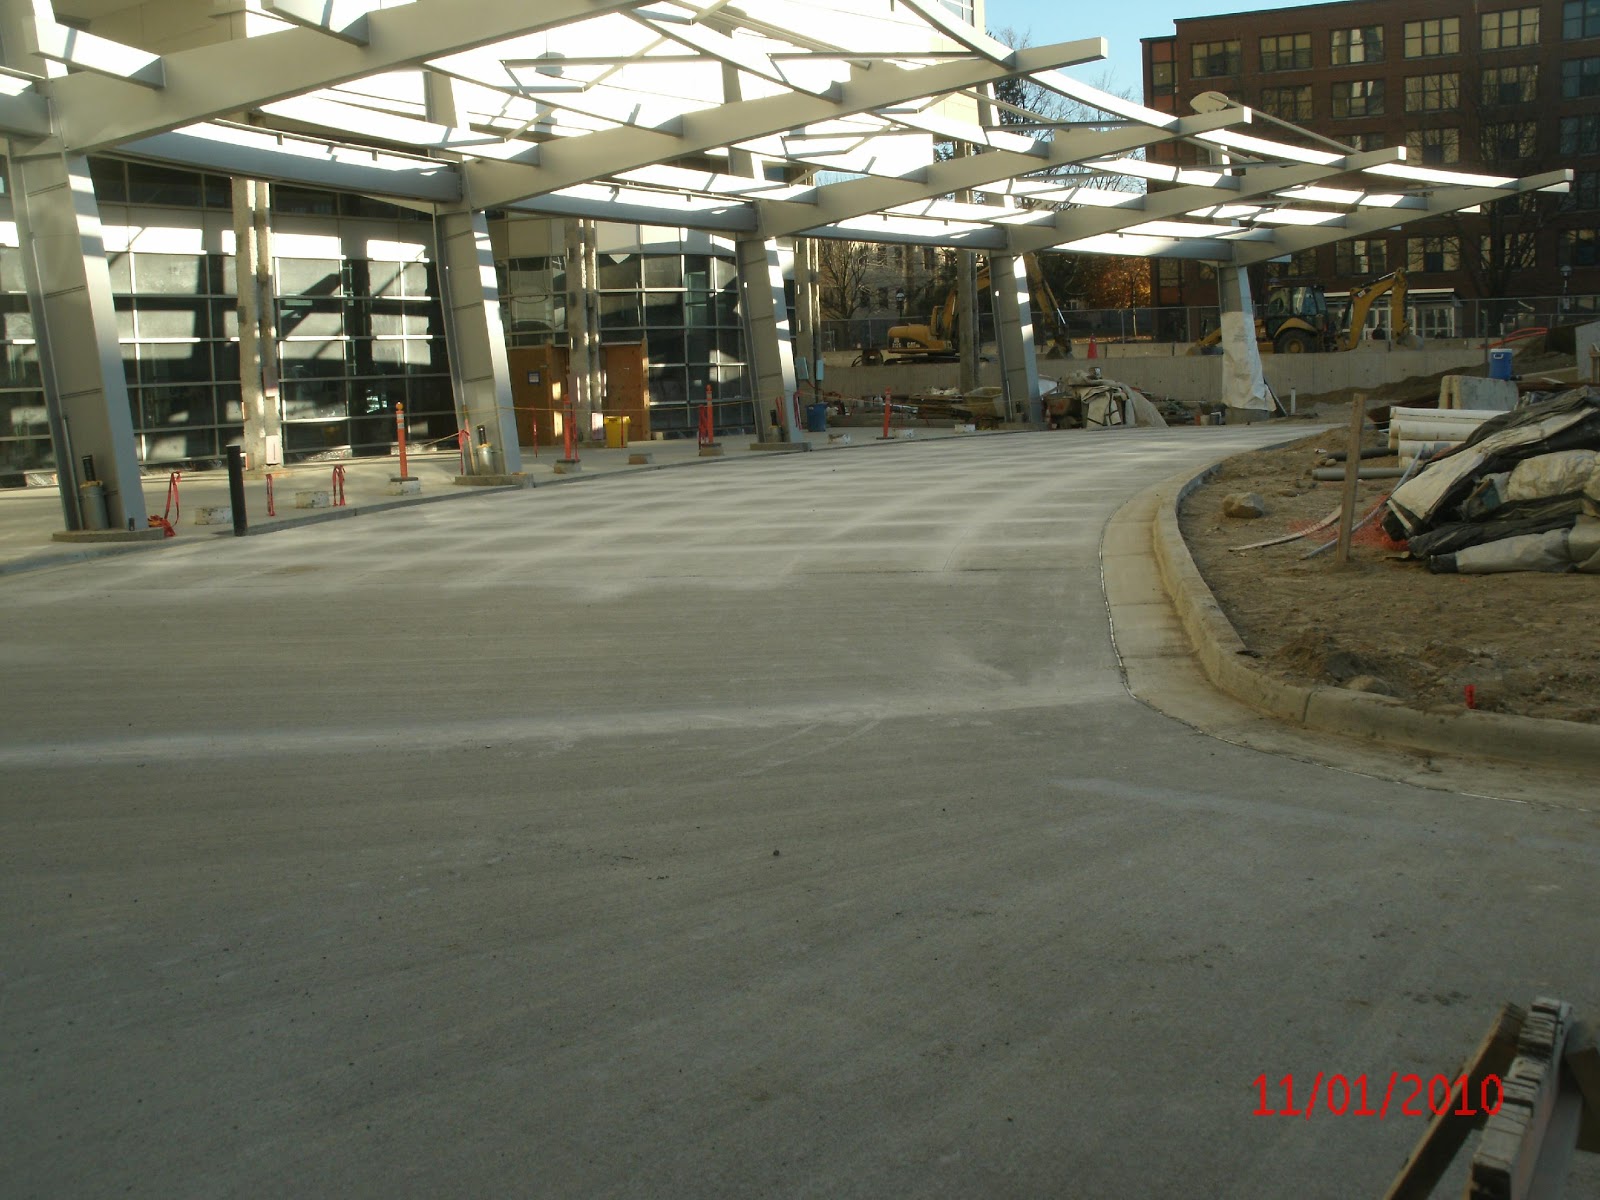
(766, 326)
(1244, 387)
(475, 335)
(477, 341)
(807, 343)
(969, 339)
(591, 311)
(258, 325)
(580, 366)
(75, 323)
(1013, 314)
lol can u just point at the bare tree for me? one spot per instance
(842, 268)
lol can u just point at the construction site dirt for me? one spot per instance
(1524, 643)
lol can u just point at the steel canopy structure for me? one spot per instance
(724, 117)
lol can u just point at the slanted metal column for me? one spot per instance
(258, 325)
(1243, 384)
(1019, 365)
(69, 293)
(477, 338)
(766, 328)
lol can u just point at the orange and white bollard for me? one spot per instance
(707, 432)
(400, 430)
(1094, 349)
(888, 413)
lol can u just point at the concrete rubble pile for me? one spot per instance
(1521, 493)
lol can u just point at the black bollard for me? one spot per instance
(236, 490)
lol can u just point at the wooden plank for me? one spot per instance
(1431, 1157)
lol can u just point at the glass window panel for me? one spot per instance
(11, 276)
(663, 310)
(315, 401)
(312, 360)
(618, 272)
(222, 274)
(224, 319)
(386, 279)
(668, 386)
(432, 396)
(20, 367)
(172, 317)
(539, 314)
(23, 414)
(309, 277)
(110, 179)
(303, 440)
(697, 272)
(697, 346)
(121, 268)
(663, 271)
(174, 362)
(166, 407)
(180, 446)
(16, 321)
(310, 318)
(224, 360)
(286, 199)
(620, 312)
(664, 345)
(228, 402)
(730, 345)
(723, 273)
(150, 184)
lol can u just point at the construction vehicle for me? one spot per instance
(1295, 318)
(936, 338)
(1364, 297)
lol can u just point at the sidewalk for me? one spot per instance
(30, 516)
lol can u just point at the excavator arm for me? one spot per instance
(1363, 298)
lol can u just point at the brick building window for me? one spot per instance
(1514, 248)
(1585, 193)
(1509, 28)
(1163, 73)
(1361, 256)
(1433, 254)
(1302, 264)
(1289, 103)
(1580, 77)
(1580, 135)
(1511, 85)
(1358, 98)
(1434, 147)
(1510, 140)
(1210, 59)
(1433, 93)
(1580, 19)
(1361, 44)
(1365, 141)
(1428, 39)
(1287, 52)
(1580, 247)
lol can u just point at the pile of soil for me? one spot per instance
(1526, 643)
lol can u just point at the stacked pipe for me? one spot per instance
(1423, 432)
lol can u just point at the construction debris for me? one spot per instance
(1520, 493)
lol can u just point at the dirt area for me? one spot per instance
(1526, 643)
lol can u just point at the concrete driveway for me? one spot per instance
(763, 828)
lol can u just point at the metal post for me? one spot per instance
(400, 428)
(236, 490)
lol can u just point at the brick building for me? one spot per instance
(1469, 86)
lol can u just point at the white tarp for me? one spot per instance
(1243, 384)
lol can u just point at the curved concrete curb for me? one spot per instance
(1226, 661)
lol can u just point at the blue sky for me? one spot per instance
(1121, 24)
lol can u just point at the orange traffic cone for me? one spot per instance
(1094, 350)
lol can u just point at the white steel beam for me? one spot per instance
(89, 52)
(95, 113)
(580, 160)
(1437, 203)
(343, 19)
(291, 158)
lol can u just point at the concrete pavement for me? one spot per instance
(777, 828)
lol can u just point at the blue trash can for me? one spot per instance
(816, 418)
(1499, 364)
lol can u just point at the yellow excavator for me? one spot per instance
(936, 339)
(1295, 318)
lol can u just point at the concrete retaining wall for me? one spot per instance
(1183, 377)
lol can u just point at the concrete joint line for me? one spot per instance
(1224, 658)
